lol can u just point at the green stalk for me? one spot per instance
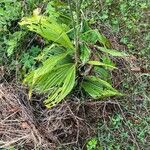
(76, 28)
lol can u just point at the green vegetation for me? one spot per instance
(62, 48)
(14, 42)
(60, 72)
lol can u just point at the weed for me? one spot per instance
(93, 145)
(81, 58)
(60, 73)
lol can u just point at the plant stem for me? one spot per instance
(76, 28)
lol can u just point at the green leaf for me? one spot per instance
(63, 90)
(102, 73)
(48, 28)
(51, 10)
(92, 144)
(85, 26)
(100, 81)
(57, 83)
(48, 65)
(92, 36)
(13, 41)
(112, 52)
(85, 53)
(53, 79)
(102, 39)
(106, 59)
(109, 93)
(93, 91)
(98, 88)
(97, 63)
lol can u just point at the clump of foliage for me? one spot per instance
(8, 16)
(70, 65)
(13, 40)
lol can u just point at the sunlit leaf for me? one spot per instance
(98, 63)
(62, 90)
(48, 65)
(112, 51)
(98, 88)
(47, 28)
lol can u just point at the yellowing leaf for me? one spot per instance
(112, 51)
(36, 11)
(62, 91)
(98, 63)
(47, 28)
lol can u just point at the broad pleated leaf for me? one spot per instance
(112, 52)
(63, 89)
(100, 82)
(98, 63)
(52, 79)
(47, 28)
(91, 89)
(47, 66)
(98, 88)
(57, 83)
(106, 60)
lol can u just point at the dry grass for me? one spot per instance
(31, 125)
(16, 119)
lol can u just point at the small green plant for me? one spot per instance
(116, 134)
(70, 65)
(12, 42)
(28, 59)
(93, 145)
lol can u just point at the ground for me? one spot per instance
(113, 124)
